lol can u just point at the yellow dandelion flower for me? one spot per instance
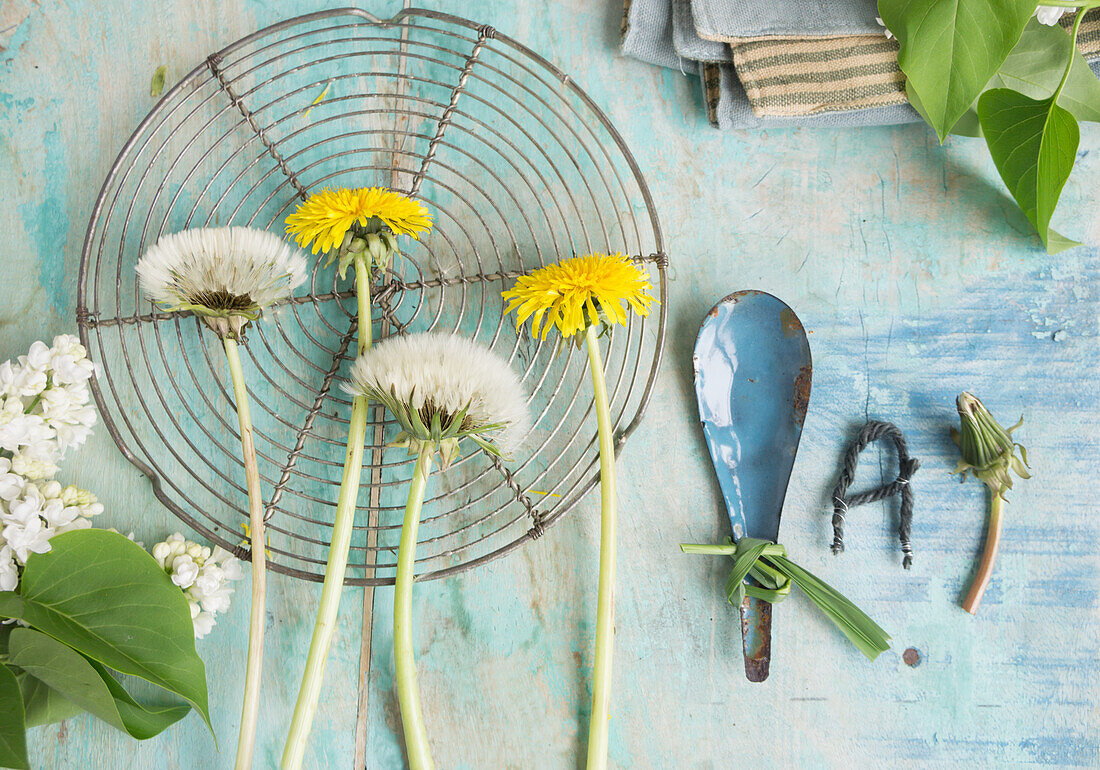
(325, 217)
(559, 294)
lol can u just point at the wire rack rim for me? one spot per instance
(89, 322)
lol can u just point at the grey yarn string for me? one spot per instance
(907, 466)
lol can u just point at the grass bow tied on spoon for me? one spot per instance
(767, 562)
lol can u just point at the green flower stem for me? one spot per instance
(310, 691)
(362, 297)
(250, 709)
(600, 717)
(989, 554)
(408, 692)
(1072, 53)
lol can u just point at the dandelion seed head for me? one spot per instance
(221, 270)
(441, 374)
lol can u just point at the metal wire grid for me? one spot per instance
(519, 168)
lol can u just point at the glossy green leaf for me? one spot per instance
(43, 704)
(142, 721)
(13, 731)
(102, 595)
(1033, 143)
(1036, 65)
(967, 125)
(1035, 68)
(949, 49)
(88, 685)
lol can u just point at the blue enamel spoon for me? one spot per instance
(752, 381)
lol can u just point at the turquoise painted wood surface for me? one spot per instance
(916, 276)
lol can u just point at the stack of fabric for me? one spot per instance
(772, 63)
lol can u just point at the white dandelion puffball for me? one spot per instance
(439, 373)
(226, 270)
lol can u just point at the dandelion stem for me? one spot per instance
(599, 719)
(310, 691)
(250, 709)
(408, 692)
(989, 554)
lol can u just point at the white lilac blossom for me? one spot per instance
(44, 410)
(45, 405)
(1044, 14)
(32, 512)
(442, 388)
(1049, 14)
(203, 574)
(226, 275)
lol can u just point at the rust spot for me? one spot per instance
(713, 312)
(758, 660)
(790, 323)
(911, 657)
(801, 399)
(737, 296)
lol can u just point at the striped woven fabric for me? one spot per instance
(794, 77)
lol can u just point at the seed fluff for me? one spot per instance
(442, 388)
(220, 272)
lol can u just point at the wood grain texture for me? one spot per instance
(916, 276)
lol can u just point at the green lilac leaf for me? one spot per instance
(43, 704)
(13, 730)
(88, 685)
(142, 721)
(1056, 242)
(1033, 143)
(1037, 63)
(949, 49)
(102, 595)
(1035, 68)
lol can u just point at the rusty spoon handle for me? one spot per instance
(756, 637)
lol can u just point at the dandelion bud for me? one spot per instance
(987, 448)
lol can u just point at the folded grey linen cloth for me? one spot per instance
(728, 107)
(663, 32)
(734, 20)
(687, 42)
(785, 62)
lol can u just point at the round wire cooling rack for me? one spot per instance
(519, 168)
